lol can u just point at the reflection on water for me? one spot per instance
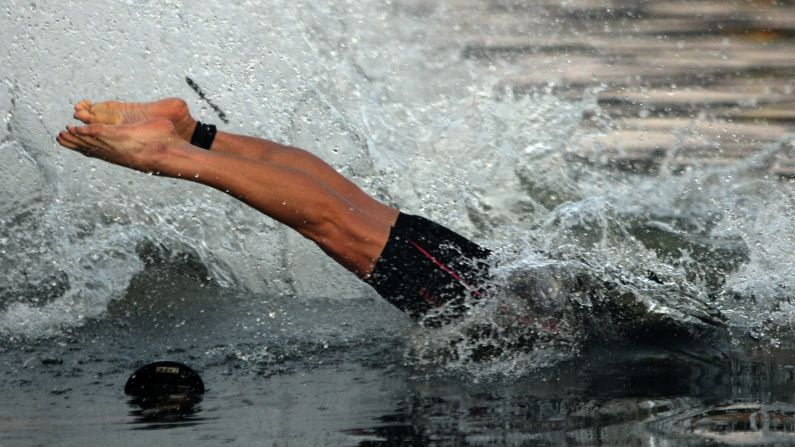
(166, 412)
(604, 398)
(744, 423)
(361, 395)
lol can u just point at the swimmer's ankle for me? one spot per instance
(176, 159)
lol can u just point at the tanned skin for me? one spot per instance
(288, 184)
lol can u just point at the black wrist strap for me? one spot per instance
(203, 135)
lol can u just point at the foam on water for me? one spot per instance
(383, 94)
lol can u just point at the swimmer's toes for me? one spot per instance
(84, 116)
(83, 105)
(66, 140)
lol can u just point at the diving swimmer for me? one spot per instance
(414, 263)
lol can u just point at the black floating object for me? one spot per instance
(161, 379)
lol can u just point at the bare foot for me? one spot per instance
(116, 112)
(142, 146)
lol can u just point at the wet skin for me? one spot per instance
(287, 184)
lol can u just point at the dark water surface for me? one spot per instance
(278, 384)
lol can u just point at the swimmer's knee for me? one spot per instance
(347, 235)
(327, 224)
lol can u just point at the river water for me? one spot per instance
(628, 163)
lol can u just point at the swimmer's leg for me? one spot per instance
(348, 234)
(176, 110)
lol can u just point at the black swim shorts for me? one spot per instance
(425, 265)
